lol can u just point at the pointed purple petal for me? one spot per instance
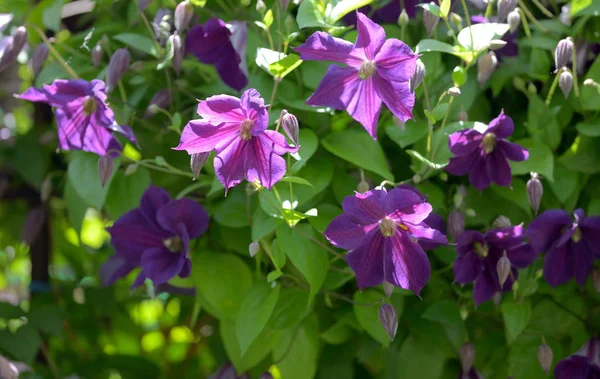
(161, 265)
(139, 280)
(114, 268)
(464, 142)
(342, 232)
(371, 36)
(364, 105)
(153, 198)
(336, 88)
(558, 265)
(61, 91)
(35, 95)
(425, 233)
(502, 126)
(406, 264)
(131, 235)
(277, 142)
(467, 268)
(406, 205)
(498, 168)
(505, 238)
(583, 260)
(512, 151)
(573, 367)
(366, 208)
(221, 108)
(395, 61)
(590, 230)
(367, 260)
(486, 286)
(521, 256)
(254, 108)
(183, 211)
(200, 136)
(262, 164)
(396, 96)
(546, 228)
(230, 163)
(459, 166)
(478, 176)
(321, 46)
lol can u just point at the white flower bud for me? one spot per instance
(389, 319)
(485, 67)
(503, 268)
(183, 15)
(504, 8)
(418, 75)
(467, 356)
(535, 191)
(253, 249)
(563, 53)
(545, 357)
(565, 82)
(514, 20)
(105, 169)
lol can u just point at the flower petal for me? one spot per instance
(464, 142)
(367, 260)
(546, 228)
(371, 36)
(464, 243)
(512, 151)
(365, 208)
(152, 200)
(35, 95)
(336, 88)
(406, 264)
(521, 256)
(221, 108)
(161, 265)
(583, 260)
(558, 265)
(478, 176)
(131, 235)
(365, 104)
(342, 232)
(114, 268)
(254, 108)
(460, 166)
(486, 286)
(434, 221)
(467, 268)
(498, 168)
(396, 96)
(186, 212)
(590, 230)
(61, 91)
(139, 280)
(200, 136)
(261, 163)
(573, 367)
(502, 126)
(424, 233)
(277, 142)
(505, 238)
(229, 163)
(395, 61)
(406, 205)
(321, 46)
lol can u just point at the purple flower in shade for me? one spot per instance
(484, 153)
(378, 70)
(584, 364)
(156, 237)
(471, 374)
(381, 230)
(511, 49)
(83, 118)
(570, 246)
(388, 14)
(434, 221)
(222, 45)
(227, 371)
(237, 130)
(478, 256)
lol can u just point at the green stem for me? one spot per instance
(151, 32)
(466, 10)
(552, 89)
(451, 31)
(291, 187)
(273, 92)
(525, 23)
(542, 9)
(488, 10)
(267, 250)
(122, 92)
(163, 169)
(574, 73)
(54, 52)
(442, 127)
(531, 16)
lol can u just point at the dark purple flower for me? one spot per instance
(584, 364)
(484, 154)
(84, 120)
(237, 130)
(381, 230)
(388, 14)
(223, 46)
(570, 246)
(378, 70)
(511, 49)
(478, 256)
(155, 237)
(227, 371)
(434, 221)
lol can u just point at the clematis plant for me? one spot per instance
(584, 364)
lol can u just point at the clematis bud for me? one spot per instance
(456, 224)
(501, 222)
(497, 298)
(261, 7)
(467, 356)
(289, 122)
(504, 8)
(197, 161)
(454, 91)
(389, 319)
(45, 190)
(105, 169)
(96, 55)
(596, 279)
(183, 15)
(485, 67)
(362, 187)
(131, 169)
(545, 357)
(503, 268)
(39, 56)
(535, 191)
(253, 248)
(565, 82)
(283, 4)
(589, 82)
(418, 75)
(403, 19)
(119, 63)
(161, 99)
(13, 49)
(463, 116)
(456, 20)
(34, 221)
(496, 44)
(430, 21)
(388, 288)
(178, 52)
(563, 53)
(514, 20)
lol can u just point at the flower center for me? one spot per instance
(387, 227)
(174, 244)
(576, 237)
(89, 106)
(245, 129)
(366, 70)
(489, 142)
(481, 249)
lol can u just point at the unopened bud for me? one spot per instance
(178, 52)
(535, 191)
(496, 44)
(589, 82)
(416, 178)
(160, 100)
(514, 20)
(485, 67)
(403, 19)
(183, 15)
(253, 249)
(389, 319)
(497, 298)
(563, 53)
(454, 91)
(289, 123)
(362, 187)
(470, 212)
(45, 190)
(197, 161)
(34, 221)
(13, 49)
(565, 82)
(284, 4)
(501, 222)
(39, 56)
(388, 288)
(131, 169)
(456, 20)
(418, 75)
(545, 357)
(463, 116)
(504, 8)
(119, 63)
(596, 279)
(456, 224)
(96, 55)
(105, 169)
(503, 268)
(430, 21)
(467, 356)
(531, 88)
(261, 7)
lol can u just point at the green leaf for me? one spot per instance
(583, 155)
(516, 316)
(367, 316)
(273, 275)
(83, 176)
(418, 361)
(47, 318)
(411, 132)
(590, 129)
(76, 207)
(292, 306)
(263, 224)
(309, 15)
(232, 211)
(459, 75)
(268, 19)
(516, 194)
(429, 45)
(424, 160)
(9, 311)
(255, 353)
(482, 35)
(23, 345)
(432, 8)
(126, 192)
(254, 313)
(445, 8)
(540, 159)
(565, 183)
(590, 96)
(542, 123)
(308, 145)
(51, 17)
(138, 42)
(284, 66)
(297, 351)
(357, 147)
(579, 5)
(222, 280)
(308, 257)
(337, 334)
(344, 7)
(446, 313)
(297, 180)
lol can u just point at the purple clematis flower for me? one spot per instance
(156, 237)
(237, 130)
(378, 71)
(511, 49)
(584, 364)
(570, 246)
(381, 229)
(478, 255)
(388, 14)
(222, 45)
(84, 120)
(484, 153)
(434, 221)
